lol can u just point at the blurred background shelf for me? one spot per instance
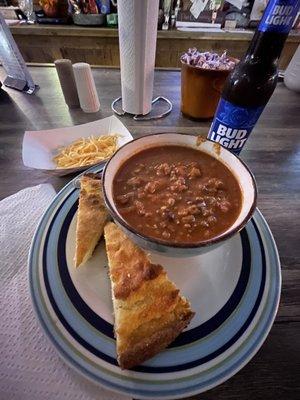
(99, 46)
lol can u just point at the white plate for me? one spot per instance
(234, 291)
(44, 144)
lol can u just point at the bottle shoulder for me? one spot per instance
(256, 68)
(250, 84)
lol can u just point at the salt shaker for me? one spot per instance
(67, 82)
(87, 93)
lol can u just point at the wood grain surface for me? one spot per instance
(100, 46)
(272, 153)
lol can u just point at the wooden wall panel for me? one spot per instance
(169, 55)
(44, 44)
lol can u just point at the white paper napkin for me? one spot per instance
(30, 368)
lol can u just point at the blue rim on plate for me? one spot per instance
(201, 357)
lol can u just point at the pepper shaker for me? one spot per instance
(67, 82)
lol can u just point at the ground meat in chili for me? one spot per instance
(177, 194)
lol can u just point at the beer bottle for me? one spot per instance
(250, 85)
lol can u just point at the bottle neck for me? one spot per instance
(266, 46)
(273, 30)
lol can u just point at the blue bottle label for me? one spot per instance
(279, 16)
(233, 124)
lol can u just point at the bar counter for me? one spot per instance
(99, 46)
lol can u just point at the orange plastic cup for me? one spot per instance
(201, 90)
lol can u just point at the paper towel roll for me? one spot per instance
(87, 92)
(137, 43)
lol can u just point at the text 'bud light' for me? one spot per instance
(250, 85)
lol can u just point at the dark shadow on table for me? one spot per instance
(12, 113)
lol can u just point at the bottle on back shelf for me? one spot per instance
(250, 85)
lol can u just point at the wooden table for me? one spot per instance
(273, 154)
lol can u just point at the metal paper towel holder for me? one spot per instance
(140, 117)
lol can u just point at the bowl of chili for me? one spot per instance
(178, 194)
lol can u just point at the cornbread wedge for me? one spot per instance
(149, 311)
(91, 217)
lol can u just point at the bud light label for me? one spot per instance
(279, 16)
(232, 125)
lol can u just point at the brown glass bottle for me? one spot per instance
(250, 85)
(254, 79)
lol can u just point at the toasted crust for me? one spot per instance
(154, 343)
(91, 217)
(130, 266)
(149, 311)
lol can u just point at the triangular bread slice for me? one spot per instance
(91, 217)
(149, 311)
